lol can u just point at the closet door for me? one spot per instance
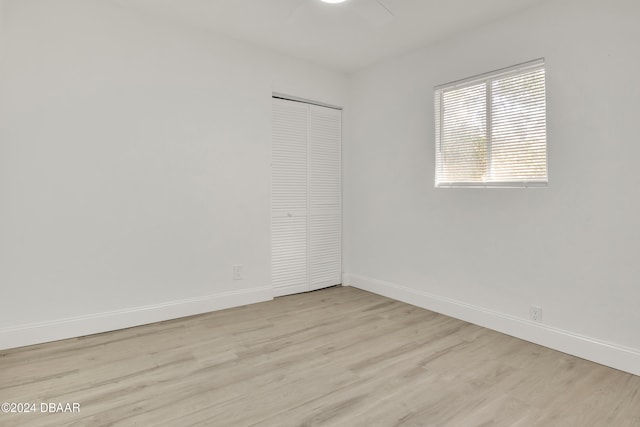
(289, 198)
(306, 221)
(325, 197)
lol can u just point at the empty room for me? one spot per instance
(319, 212)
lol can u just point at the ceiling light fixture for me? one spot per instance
(333, 1)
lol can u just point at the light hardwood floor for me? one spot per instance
(339, 357)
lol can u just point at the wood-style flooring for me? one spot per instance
(337, 357)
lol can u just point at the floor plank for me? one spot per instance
(339, 357)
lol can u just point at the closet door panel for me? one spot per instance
(289, 255)
(325, 192)
(325, 251)
(289, 171)
(289, 198)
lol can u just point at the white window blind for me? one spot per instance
(491, 129)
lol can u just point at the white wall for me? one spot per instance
(486, 255)
(134, 167)
(1, 27)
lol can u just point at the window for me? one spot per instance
(491, 130)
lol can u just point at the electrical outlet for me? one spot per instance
(237, 272)
(536, 313)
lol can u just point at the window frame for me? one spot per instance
(487, 78)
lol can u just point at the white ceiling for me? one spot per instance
(346, 36)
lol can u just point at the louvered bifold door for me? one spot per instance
(325, 196)
(289, 198)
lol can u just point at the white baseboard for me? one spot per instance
(37, 333)
(608, 354)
